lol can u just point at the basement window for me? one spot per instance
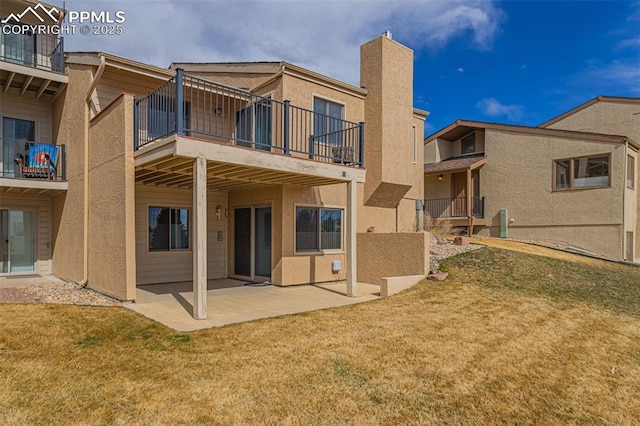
(168, 229)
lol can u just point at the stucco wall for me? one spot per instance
(518, 177)
(111, 201)
(610, 117)
(392, 255)
(67, 208)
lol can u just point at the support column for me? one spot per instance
(469, 194)
(352, 205)
(199, 235)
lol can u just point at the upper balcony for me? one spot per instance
(27, 166)
(31, 57)
(196, 108)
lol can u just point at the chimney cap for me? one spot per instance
(387, 34)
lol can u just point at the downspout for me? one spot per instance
(85, 218)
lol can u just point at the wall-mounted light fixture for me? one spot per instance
(440, 177)
(218, 212)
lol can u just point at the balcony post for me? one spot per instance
(311, 148)
(361, 144)
(179, 102)
(136, 124)
(285, 128)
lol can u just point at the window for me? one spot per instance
(415, 145)
(469, 144)
(318, 229)
(161, 116)
(253, 125)
(15, 135)
(168, 229)
(327, 121)
(585, 172)
(18, 48)
(631, 172)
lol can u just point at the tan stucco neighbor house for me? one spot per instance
(116, 173)
(572, 180)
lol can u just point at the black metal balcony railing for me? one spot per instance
(187, 105)
(454, 207)
(38, 51)
(20, 159)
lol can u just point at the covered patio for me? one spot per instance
(232, 301)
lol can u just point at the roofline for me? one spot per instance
(618, 99)
(298, 71)
(421, 113)
(572, 134)
(473, 166)
(93, 58)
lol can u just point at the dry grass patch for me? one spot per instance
(474, 350)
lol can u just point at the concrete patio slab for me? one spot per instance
(232, 301)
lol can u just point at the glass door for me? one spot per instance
(252, 242)
(17, 236)
(263, 242)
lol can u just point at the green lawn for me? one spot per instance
(508, 338)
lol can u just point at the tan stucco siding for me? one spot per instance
(111, 201)
(27, 107)
(41, 205)
(383, 255)
(70, 109)
(518, 177)
(609, 117)
(174, 266)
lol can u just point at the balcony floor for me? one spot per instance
(169, 162)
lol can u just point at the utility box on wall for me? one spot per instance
(504, 223)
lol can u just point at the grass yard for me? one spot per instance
(508, 338)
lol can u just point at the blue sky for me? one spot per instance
(517, 62)
(547, 58)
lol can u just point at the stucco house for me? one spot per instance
(573, 179)
(262, 171)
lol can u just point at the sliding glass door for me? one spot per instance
(17, 241)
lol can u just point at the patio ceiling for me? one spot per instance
(170, 164)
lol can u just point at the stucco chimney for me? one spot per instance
(386, 71)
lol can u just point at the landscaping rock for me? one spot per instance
(461, 241)
(438, 276)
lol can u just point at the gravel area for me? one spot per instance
(57, 292)
(444, 250)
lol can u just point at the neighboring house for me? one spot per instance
(259, 171)
(572, 180)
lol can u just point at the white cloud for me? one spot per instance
(460, 69)
(621, 77)
(493, 108)
(322, 35)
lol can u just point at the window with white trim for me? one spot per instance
(168, 228)
(318, 229)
